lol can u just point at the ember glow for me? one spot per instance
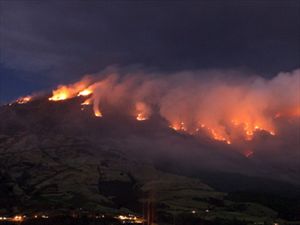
(224, 109)
(140, 117)
(87, 102)
(24, 100)
(178, 126)
(250, 128)
(96, 108)
(219, 137)
(143, 111)
(295, 112)
(85, 92)
(98, 113)
(248, 153)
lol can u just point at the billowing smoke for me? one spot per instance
(224, 105)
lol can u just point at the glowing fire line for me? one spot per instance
(24, 100)
(237, 120)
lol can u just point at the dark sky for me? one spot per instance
(44, 44)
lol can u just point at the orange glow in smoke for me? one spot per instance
(178, 126)
(295, 112)
(97, 112)
(219, 132)
(226, 111)
(140, 117)
(250, 128)
(218, 136)
(142, 111)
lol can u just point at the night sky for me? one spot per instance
(43, 44)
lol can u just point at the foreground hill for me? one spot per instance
(57, 158)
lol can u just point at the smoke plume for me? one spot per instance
(225, 105)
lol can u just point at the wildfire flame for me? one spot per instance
(218, 136)
(224, 111)
(140, 117)
(178, 126)
(85, 92)
(64, 92)
(249, 129)
(142, 111)
(219, 133)
(87, 102)
(24, 100)
(98, 113)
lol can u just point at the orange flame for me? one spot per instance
(85, 92)
(87, 102)
(64, 92)
(178, 126)
(98, 113)
(24, 100)
(142, 111)
(140, 117)
(219, 136)
(219, 132)
(96, 108)
(213, 133)
(225, 111)
(250, 128)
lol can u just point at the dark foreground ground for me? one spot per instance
(180, 220)
(56, 158)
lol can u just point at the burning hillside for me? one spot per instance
(223, 109)
(122, 131)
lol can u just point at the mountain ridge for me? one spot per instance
(57, 157)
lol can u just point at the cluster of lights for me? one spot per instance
(99, 217)
(194, 211)
(130, 219)
(17, 218)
